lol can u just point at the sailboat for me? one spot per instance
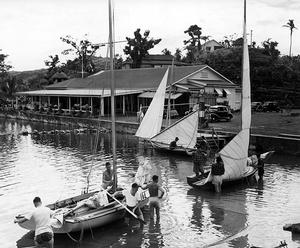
(235, 153)
(150, 128)
(152, 121)
(74, 214)
(185, 129)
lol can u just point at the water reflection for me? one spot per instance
(56, 166)
(226, 214)
(155, 237)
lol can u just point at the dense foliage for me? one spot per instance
(272, 77)
(137, 48)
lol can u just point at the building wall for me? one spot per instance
(211, 46)
(206, 74)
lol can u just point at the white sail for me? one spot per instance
(152, 121)
(185, 129)
(246, 90)
(235, 153)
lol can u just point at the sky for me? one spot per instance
(31, 29)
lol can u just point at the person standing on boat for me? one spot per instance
(41, 217)
(107, 177)
(153, 189)
(173, 143)
(217, 170)
(133, 201)
(200, 158)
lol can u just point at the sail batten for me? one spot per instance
(185, 129)
(152, 121)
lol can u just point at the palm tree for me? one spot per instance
(290, 24)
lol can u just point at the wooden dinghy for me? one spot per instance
(71, 217)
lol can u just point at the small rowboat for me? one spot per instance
(66, 219)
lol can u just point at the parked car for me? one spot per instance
(219, 112)
(256, 106)
(270, 106)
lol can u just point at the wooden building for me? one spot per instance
(136, 88)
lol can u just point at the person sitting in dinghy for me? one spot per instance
(107, 177)
(173, 143)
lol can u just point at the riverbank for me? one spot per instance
(274, 131)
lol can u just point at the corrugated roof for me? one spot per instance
(144, 78)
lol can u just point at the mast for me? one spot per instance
(168, 119)
(112, 91)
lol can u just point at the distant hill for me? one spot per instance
(28, 75)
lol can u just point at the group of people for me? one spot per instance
(134, 201)
(41, 216)
(200, 159)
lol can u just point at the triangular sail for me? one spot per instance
(235, 153)
(152, 121)
(185, 129)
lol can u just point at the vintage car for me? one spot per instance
(219, 112)
(270, 106)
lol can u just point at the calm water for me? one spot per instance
(56, 166)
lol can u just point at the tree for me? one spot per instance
(84, 50)
(270, 48)
(290, 24)
(193, 44)
(52, 66)
(137, 48)
(52, 63)
(166, 52)
(178, 54)
(4, 68)
(11, 85)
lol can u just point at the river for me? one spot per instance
(55, 166)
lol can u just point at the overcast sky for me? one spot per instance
(31, 29)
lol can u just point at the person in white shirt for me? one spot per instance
(132, 201)
(41, 216)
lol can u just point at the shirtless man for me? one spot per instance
(153, 188)
(107, 177)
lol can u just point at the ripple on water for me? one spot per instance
(56, 166)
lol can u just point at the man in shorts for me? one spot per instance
(217, 170)
(154, 188)
(41, 216)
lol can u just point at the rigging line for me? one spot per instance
(94, 151)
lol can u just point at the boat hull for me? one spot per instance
(86, 218)
(165, 148)
(199, 183)
(91, 220)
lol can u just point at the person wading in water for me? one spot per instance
(154, 188)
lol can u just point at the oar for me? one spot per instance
(127, 209)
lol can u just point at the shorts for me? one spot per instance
(43, 237)
(217, 180)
